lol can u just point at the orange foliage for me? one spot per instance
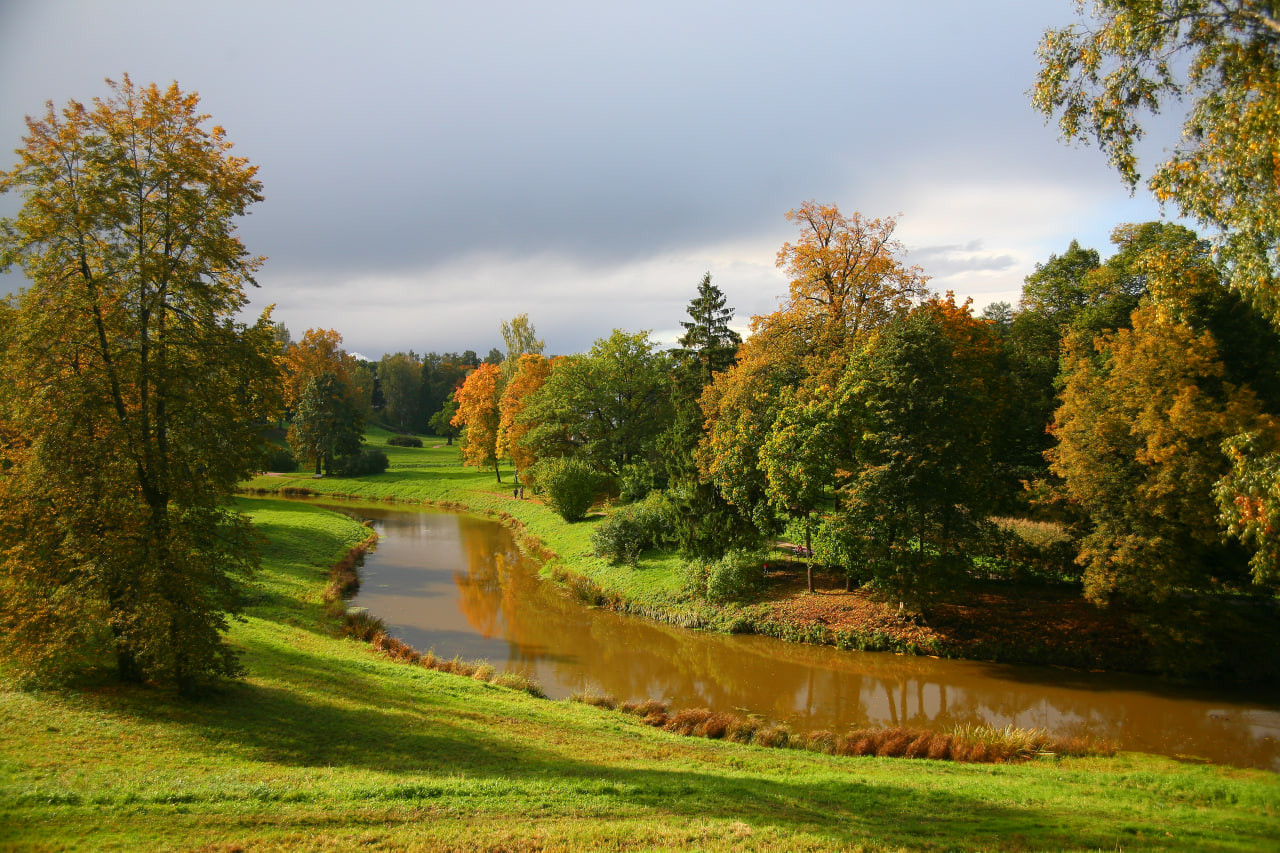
(531, 372)
(478, 399)
(320, 351)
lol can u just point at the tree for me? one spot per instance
(1058, 289)
(319, 352)
(705, 524)
(134, 398)
(326, 423)
(442, 421)
(1127, 58)
(477, 415)
(708, 341)
(1145, 413)
(441, 376)
(607, 407)
(400, 376)
(845, 274)
(528, 378)
(798, 459)
(917, 410)
(520, 339)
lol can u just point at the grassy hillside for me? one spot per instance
(326, 746)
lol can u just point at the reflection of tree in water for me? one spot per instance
(813, 687)
(488, 590)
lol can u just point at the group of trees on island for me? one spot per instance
(1137, 399)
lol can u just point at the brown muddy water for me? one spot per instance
(458, 585)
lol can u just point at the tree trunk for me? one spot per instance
(808, 552)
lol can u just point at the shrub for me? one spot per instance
(404, 441)
(631, 530)
(369, 460)
(636, 481)
(569, 486)
(734, 576)
(279, 459)
(1022, 549)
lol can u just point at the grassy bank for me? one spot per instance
(326, 745)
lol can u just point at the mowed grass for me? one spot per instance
(327, 746)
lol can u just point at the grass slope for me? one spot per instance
(326, 746)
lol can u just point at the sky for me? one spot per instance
(432, 169)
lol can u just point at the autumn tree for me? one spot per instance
(1126, 59)
(478, 416)
(531, 374)
(1144, 416)
(134, 397)
(847, 280)
(319, 352)
(846, 274)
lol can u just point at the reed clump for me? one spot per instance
(968, 743)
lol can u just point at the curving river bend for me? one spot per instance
(457, 584)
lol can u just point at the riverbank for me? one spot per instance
(327, 745)
(1024, 624)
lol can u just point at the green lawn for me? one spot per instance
(326, 746)
(435, 474)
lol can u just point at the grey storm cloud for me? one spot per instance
(433, 168)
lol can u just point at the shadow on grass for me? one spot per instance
(317, 712)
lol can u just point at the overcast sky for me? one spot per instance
(433, 168)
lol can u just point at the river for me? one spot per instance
(457, 584)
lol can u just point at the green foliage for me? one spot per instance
(568, 484)
(441, 422)
(632, 529)
(606, 407)
(279, 459)
(405, 440)
(637, 480)
(367, 460)
(326, 423)
(918, 406)
(400, 381)
(736, 576)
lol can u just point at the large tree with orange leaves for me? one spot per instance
(531, 372)
(319, 352)
(134, 396)
(846, 273)
(478, 415)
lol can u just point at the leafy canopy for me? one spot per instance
(133, 397)
(1128, 58)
